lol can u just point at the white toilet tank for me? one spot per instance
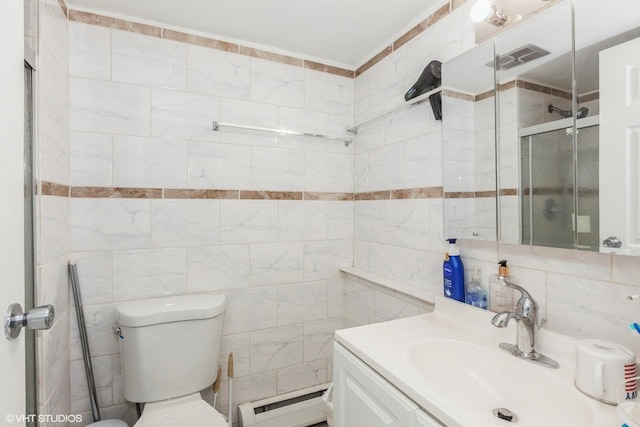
(169, 346)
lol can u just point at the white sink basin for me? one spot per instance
(449, 362)
(481, 379)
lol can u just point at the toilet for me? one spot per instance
(169, 350)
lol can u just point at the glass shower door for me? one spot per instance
(548, 190)
(547, 178)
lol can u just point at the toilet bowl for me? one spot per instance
(169, 349)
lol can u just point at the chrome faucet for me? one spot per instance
(527, 325)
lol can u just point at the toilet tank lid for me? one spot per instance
(169, 309)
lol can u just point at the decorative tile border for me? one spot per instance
(418, 193)
(459, 195)
(329, 196)
(53, 189)
(483, 95)
(115, 23)
(480, 194)
(373, 195)
(508, 191)
(200, 194)
(523, 84)
(60, 190)
(458, 95)
(589, 97)
(116, 192)
(409, 193)
(270, 195)
(63, 6)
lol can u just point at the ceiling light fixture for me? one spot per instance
(484, 10)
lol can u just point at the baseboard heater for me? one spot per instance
(296, 409)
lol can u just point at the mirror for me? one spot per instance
(557, 187)
(535, 138)
(468, 124)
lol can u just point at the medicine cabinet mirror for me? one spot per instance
(564, 180)
(468, 117)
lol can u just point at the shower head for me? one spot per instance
(563, 113)
(582, 112)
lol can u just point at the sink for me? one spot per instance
(474, 380)
(449, 362)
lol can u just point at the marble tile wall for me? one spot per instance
(163, 205)
(366, 302)
(403, 239)
(52, 228)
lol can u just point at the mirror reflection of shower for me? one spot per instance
(582, 112)
(550, 215)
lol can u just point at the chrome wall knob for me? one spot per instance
(36, 318)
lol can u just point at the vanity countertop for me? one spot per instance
(539, 396)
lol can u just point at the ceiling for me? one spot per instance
(343, 33)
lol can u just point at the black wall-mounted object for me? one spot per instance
(436, 105)
(429, 79)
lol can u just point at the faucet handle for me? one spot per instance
(542, 322)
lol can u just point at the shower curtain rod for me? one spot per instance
(217, 125)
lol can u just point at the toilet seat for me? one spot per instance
(188, 410)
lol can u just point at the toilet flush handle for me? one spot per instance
(118, 331)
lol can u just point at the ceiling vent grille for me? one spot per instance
(519, 56)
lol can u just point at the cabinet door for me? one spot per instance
(424, 420)
(364, 399)
(620, 133)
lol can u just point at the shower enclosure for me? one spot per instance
(554, 212)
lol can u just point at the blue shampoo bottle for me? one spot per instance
(453, 272)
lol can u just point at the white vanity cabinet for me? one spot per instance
(424, 420)
(362, 398)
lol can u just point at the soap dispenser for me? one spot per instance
(453, 272)
(474, 293)
(501, 297)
